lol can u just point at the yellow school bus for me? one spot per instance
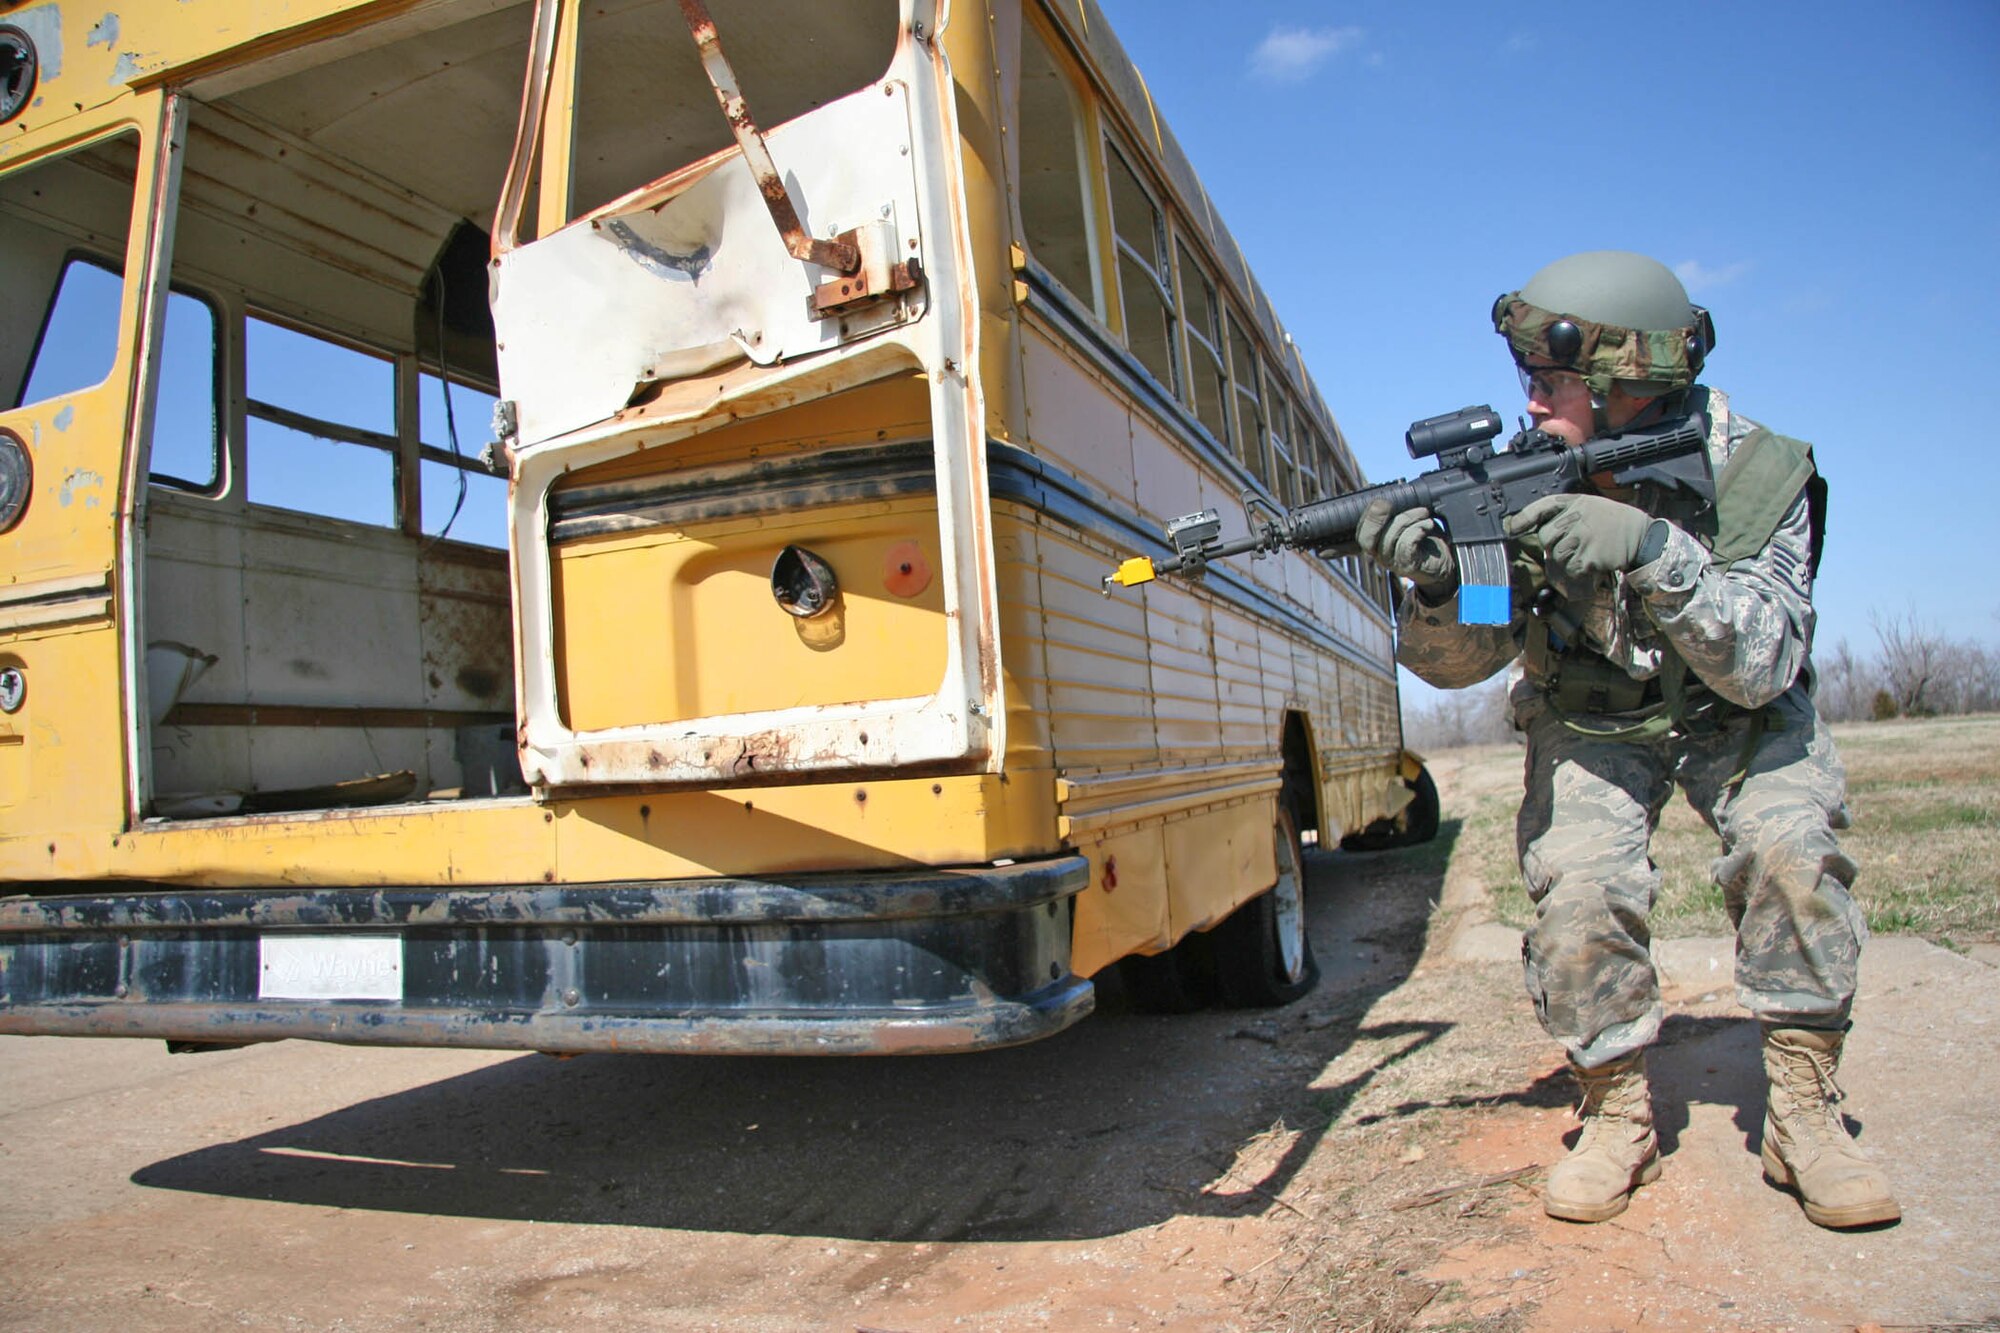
(746, 684)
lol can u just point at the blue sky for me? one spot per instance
(1825, 177)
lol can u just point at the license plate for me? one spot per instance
(330, 967)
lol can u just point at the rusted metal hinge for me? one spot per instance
(877, 275)
(861, 257)
(836, 254)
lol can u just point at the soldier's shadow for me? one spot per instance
(1719, 1061)
(1712, 1060)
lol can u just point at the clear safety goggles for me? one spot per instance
(1544, 382)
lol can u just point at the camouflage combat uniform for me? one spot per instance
(1752, 755)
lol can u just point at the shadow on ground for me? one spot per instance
(1121, 1122)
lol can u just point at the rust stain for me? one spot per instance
(892, 1039)
(481, 681)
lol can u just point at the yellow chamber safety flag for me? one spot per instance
(1137, 570)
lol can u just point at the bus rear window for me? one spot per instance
(80, 340)
(462, 500)
(63, 230)
(187, 417)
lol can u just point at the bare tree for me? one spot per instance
(1968, 678)
(1913, 662)
(1844, 685)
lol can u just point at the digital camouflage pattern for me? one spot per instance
(1585, 823)
(1745, 631)
(1658, 357)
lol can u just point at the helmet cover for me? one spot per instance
(1649, 361)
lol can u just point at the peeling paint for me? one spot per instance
(81, 483)
(66, 416)
(126, 69)
(105, 34)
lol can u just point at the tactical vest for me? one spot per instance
(1758, 486)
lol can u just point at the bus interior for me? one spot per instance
(324, 577)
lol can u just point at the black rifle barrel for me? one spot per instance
(1331, 523)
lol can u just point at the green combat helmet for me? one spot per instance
(1613, 317)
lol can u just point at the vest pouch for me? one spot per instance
(1589, 684)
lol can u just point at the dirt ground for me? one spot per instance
(1366, 1159)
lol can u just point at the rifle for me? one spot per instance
(1471, 493)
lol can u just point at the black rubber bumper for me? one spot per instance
(941, 960)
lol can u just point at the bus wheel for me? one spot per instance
(1417, 824)
(1420, 824)
(1179, 981)
(1263, 955)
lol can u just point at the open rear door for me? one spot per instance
(699, 406)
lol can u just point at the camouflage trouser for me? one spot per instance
(1584, 836)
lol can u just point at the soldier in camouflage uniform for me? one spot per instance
(1671, 646)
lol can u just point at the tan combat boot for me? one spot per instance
(1806, 1146)
(1617, 1152)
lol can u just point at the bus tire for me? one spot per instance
(1418, 823)
(1263, 953)
(1421, 820)
(1179, 981)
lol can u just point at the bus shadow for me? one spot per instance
(1121, 1122)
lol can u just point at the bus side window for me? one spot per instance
(1055, 156)
(322, 425)
(1208, 382)
(1284, 477)
(1310, 453)
(1249, 401)
(461, 499)
(1145, 283)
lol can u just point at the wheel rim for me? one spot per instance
(1288, 905)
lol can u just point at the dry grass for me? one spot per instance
(1925, 796)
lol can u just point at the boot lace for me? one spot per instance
(1612, 1094)
(1806, 1079)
